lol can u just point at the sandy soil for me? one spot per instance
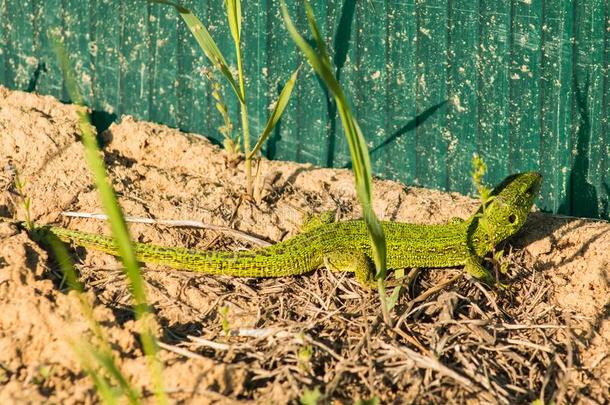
(548, 337)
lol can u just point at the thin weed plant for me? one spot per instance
(217, 59)
(479, 169)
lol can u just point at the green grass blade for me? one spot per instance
(89, 354)
(102, 386)
(357, 145)
(107, 363)
(319, 65)
(106, 192)
(280, 106)
(313, 26)
(65, 263)
(320, 62)
(206, 42)
(101, 383)
(234, 14)
(117, 224)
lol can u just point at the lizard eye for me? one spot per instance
(512, 218)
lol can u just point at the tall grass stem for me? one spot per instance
(320, 61)
(118, 226)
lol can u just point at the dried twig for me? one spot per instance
(176, 223)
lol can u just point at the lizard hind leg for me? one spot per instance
(355, 262)
(312, 221)
(456, 221)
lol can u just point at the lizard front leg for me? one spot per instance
(475, 268)
(352, 261)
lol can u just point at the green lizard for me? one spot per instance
(345, 246)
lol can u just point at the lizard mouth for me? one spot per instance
(534, 187)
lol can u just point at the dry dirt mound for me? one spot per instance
(548, 337)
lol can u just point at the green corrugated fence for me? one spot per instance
(524, 83)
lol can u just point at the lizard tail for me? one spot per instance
(264, 262)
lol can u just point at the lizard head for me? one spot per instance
(506, 212)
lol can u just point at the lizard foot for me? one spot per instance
(312, 221)
(477, 270)
(455, 221)
(355, 262)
